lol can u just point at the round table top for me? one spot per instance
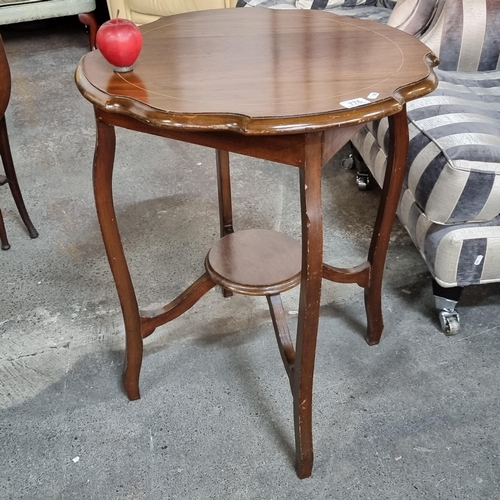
(262, 71)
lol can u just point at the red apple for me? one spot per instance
(120, 42)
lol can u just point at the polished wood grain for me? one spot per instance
(224, 196)
(263, 71)
(270, 84)
(255, 262)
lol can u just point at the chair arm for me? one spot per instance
(464, 35)
(413, 16)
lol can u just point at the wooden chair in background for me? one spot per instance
(10, 177)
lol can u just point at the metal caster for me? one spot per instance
(450, 321)
(446, 300)
(448, 315)
(363, 181)
(348, 163)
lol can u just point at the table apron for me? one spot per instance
(282, 148)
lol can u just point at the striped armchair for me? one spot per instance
(450, 202)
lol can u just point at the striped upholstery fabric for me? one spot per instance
(465, 35)
(451, 194)
(458, 254)
(268, 4)
(453, 171)
(328, 4)
(380, 12)
(450, 202)
(413, 16)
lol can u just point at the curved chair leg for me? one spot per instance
(3, 234)
(11, 178)
(89, 19)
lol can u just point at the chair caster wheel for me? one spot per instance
(363, 181)
(450, 321)
(348, 163)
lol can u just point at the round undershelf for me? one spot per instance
(255, 262)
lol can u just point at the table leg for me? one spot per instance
(283, 337)
(103, 193)
(224, 191)
(391, 190)
(309, 302)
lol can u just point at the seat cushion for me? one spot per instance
(458, 254)
(453, 172)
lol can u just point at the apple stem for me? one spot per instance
(117, 13)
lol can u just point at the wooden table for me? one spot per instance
(291, 86)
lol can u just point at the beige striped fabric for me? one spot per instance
(450, 202)
(370, 10)
(413, 16)
(465, 34)
(451, 195)
(329, 4)
(457, 255)
(453, 167)
(318, 4)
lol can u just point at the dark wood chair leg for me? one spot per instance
(11, 178)
(89, 19)
(3, 234)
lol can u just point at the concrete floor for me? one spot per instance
(413, 418)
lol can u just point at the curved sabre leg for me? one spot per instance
(103, 193)
(309, 303)
(11, 176)
(394, 175)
